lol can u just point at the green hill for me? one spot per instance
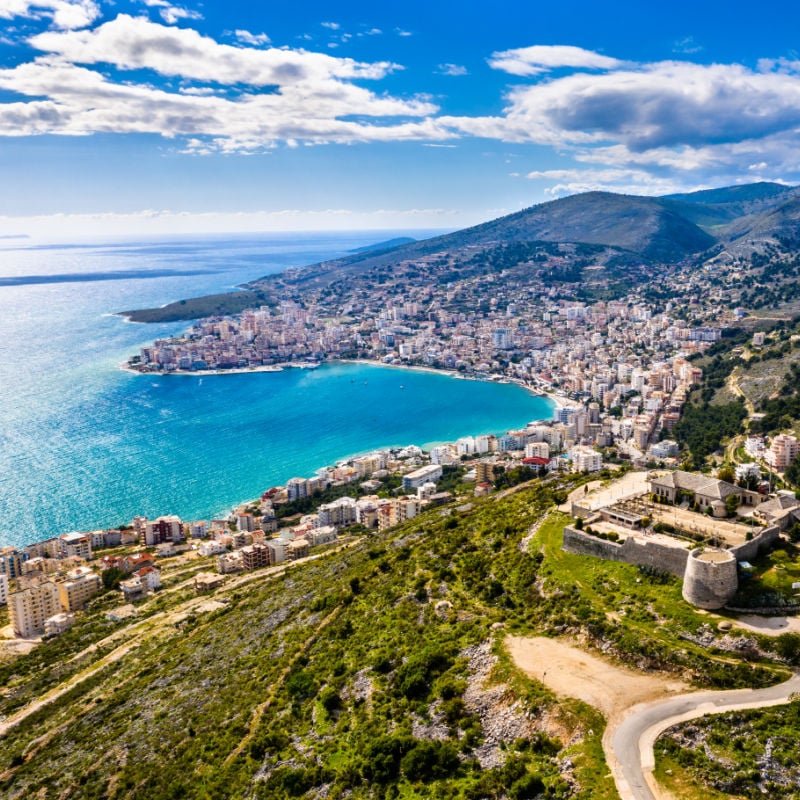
(376, 671)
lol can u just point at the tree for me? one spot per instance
(726, 473)
(792, 473)
(112, 577)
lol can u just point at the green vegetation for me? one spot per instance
(375, 672)
(771, 582)
(703, 428)
(213, 305)
(742, 754)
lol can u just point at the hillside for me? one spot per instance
(617, 238)
(379, 670)
(619, 231)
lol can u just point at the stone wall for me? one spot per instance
(757, 545)
(640, 552)
(710, 584)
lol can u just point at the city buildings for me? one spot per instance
(418, 477)
(30, 606)
(80, 586)
(783, 449)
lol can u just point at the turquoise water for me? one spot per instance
(84, 444)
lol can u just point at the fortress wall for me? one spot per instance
(757, 545)
(579, 509)
(710, 584)
(657, 556)
(633, 551)
(585, 544)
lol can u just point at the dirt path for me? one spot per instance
(638, 707)
(572, 672)
(733, 385)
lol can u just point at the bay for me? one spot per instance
(84, 444)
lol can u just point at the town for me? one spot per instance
(46, 583)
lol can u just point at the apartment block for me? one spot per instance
(415, 479)
(31, 606)
(81, 586)
(783, 450)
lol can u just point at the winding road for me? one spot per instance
(631, 741)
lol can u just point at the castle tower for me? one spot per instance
(710, 580)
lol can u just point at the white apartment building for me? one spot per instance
(415, 479)
(584, 459)
(339, 513)
(782, 451)
(3, 588)
(75, 544)
(537, 450)
(296, 488)
(31, 606)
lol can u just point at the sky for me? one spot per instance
(148, 117)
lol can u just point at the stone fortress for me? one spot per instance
(675, 522)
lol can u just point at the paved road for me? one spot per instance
(632, 741)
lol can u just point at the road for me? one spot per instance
(631, 742)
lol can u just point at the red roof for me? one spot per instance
(537, 460)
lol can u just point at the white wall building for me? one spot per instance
(584, 459)
(782, 451)
(31, 606)
(426, 474)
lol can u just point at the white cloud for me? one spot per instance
(452, 69)
(173, 14)
(135, 43)
(525, 61)
(65, 14)
(687, 45)
(333, 26)
(402, 32)
(252, 39)
(673, 114)
(310, 97)
(626, 181)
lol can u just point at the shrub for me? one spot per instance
(430, 761)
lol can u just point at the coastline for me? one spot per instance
(246, 495)
(558, 400)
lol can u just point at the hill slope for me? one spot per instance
(377, 671)
(617, 229)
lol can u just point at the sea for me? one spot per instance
(86, 445)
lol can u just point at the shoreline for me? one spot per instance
(555, 401)
(558, 400)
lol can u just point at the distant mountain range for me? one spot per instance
(625, 233)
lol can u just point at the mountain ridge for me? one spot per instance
(626, 235)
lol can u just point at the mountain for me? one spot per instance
(646, 227)
(621, 237)
(389, 243)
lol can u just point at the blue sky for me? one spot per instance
(154, 117)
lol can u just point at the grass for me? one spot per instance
(242, 701)
(725, 755)
(772, 579)
(681, 782)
